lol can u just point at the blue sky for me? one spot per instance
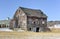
(50, 7)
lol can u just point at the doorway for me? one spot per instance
(37, 29)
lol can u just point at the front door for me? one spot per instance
(37, 29)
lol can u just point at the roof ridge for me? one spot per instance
(29, 8)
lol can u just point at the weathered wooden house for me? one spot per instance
(29, 19)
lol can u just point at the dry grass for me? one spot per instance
(29, 35)
(55, 30)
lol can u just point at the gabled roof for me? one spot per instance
(33, 12)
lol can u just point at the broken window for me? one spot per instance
(43, 22)
(36, 21)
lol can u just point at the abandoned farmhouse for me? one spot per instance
(29, 19)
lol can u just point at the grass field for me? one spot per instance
(29, 35)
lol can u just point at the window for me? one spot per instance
(43, 22)
(36, 21)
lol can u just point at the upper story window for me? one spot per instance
(36, 21)
(33, 21)
(43, 22)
